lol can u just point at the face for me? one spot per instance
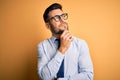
(57, 21)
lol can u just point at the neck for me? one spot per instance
(56, 35)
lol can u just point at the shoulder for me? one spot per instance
(79, 42)
(42, 43)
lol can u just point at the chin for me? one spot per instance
(60, 31)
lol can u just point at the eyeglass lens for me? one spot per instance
(58, 17)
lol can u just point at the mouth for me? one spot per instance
(60, 31)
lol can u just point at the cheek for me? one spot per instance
(56, 24)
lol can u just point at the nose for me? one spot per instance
(63, 23)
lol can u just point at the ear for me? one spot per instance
(47, 25)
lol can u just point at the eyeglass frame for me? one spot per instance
(59, 17)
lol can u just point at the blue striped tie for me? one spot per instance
(60, 73)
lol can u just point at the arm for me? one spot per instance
(47, 69)
(85, 65)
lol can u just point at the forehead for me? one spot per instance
(55, 12)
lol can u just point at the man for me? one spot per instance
(63, 56)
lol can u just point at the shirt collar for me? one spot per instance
(53, 38)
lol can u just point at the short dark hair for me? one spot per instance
(50, 8)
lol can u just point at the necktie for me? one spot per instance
(60, 73)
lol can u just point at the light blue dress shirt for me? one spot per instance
(77, 61)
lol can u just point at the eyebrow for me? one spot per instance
(58, 15)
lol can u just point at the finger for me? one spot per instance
(69, 36)
(64, 33)
(66, 27)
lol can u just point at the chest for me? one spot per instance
(71, 55)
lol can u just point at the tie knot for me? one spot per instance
(58, 42)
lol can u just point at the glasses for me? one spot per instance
(58, 17)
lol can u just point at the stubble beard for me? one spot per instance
(59, 32)
(55, 31)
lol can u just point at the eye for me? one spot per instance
(65, 16)
(56, 18)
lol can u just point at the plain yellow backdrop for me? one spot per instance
(22, 28)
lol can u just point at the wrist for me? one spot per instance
(62, 50)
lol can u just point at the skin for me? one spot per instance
(55, 27)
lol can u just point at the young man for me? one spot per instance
(63, 56)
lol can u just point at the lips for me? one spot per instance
(60, 31)
(63, 25)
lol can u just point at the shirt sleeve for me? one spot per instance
(47, 69)
(85, 70)
(85, 64)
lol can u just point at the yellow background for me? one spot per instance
(22, 28)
